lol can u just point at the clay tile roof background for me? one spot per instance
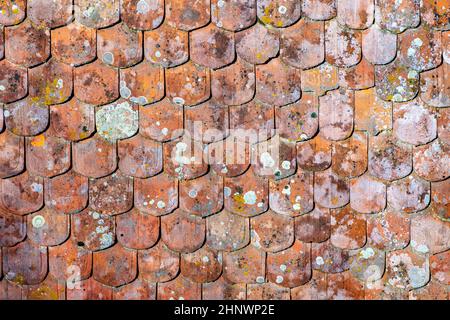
(101, 100)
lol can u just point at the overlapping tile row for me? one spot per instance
(108, 192)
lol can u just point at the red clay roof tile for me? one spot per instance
(409, 194)
(27, 117)
(14, 80)
(330, 190)
(367, 194)
(328, 258)
(142, 15)
(158, 264)
(272, 232)
(13, 11)
(342, 46)
(137, 230)
(22, 194)
(350, 156)
(278, 13)
(233, 15)
(435, 86)
(13, 229)
(245, 265)
(203, 265)
(223, 290)
(314, 226)
(397, 16)
(388, 230)
(49, 14)
(98, 14)
(379, 45)
(47, 227)
(336, 114)
(182, 15)
(226, 231)
(181, 288)
(89, 289)
(319, 9)
(355, 14)
(136, 290)
(257, 44)
(348, 228)
(12, 154)
(267, 291)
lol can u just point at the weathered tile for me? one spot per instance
(336, 112)
(320, 79)
(379, 45)
(203, 265)
(372, 114)
(319, 9)
(409, 194)
(137, 230)
(97, 14)
(267, 291)
(355, 14)
(429, 234)
(397, 16)
(233, 15)
(49, 14)
(435, 86)
(221, 289)
(158, 264)
(314, 154)
(13, 11)
(142, 14)
(344, 286)
(316, 288)
(47, 227)
(278, 13)
(257, 44)
(368, 264)
(181, 288)
(439, 266)
(367, 194)
(27, 117)
(432, 291)
(67, 193)
(330, 190)
(13, 229)
(207, 122)
(329, 259)
(70, 262)
(14, 80)
(348, 228)
(431, 161)
(89, 289)
(246, 265)
(226, 231)
(272, 232)
(314, 226)
(12, 154)
(388, 230)
(361, 76)
(350, 156)
(136, 290)
(182, 15)
(435, 14)
(342, 46)
(406, 270)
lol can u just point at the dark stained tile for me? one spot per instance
(182, 15)
(12, 154)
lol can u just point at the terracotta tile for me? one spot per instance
(223, 290)
(50, 15)
(12, 154)
(13, 11)
(316, 288)
(314, 226)
(137, 230)
(15, 81)
(136, 290)
(314, 154)
(431, 161)
(372, 114)
(247, 194)
(445, 38)
(388, 230)
(439, 265)
(441, 198)
(27, 117)
(254, 121)
(157, 195)
(47, 227)
(330, 190)
(344, 286)
(274, 159)
(348, 228)
(25, 263)
(319, 9)
(429, 234)
(397, 16)
(267, 291)
(226, 231)
(278, 13)
(166, 46)
(162, 121)
(207, 122)
(74, 44)
(182, 232)
(140, 157)
(299, 121)
(350, 156)
(115, 266)
(182, 15)
(10, 291)
(379, 45)
(342, 46)
(142, 15)
(94, 157)
(435, 86)
(409, 194)
(396, 82)
(13, 229)
(435, 14)
(277, 84)
(49, 289)
(355, 15)
(361, 76)
(320, 79)
(158, 264)
(98, 14)
(367, 194)
(142, 84)
(26, 44)
(203, 265)
(230, 157)
(184, 159)
(180, 288)
(302, 45)
(212, 47)
(291, 267)
(336, 113)
(234, 15)
(329, 259)
(234, 84)
(111, 194)
(272, 232)
(246, 265)
(432, 291)
(22, 194)
(47, 156)
(73, 120)
(188, 84)
(70, 262)
(388, 158)
(420, 49)
(202, 196)
(96, 83)
(89, 289)
(257, 44)
(119, 46)
(368, 264)
(292, 196)
(92, 230)
(406, 270)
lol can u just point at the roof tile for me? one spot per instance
(166, 46)
(98, 14)
(49, 289)
(372, 114)
(348, 228)
(429, 234)
(203, 265)
(278, 13)
(157, 195)
(336, 113)
(230, 157)
(388, 230)
(12, 154)
(361, 76)
(27, 117)
(368, 264)
(397, 16)
(142, 15)
(13, 11)
(137, 230)
(314, 154)
(344, 286)
(331, 191)
(302, 45)
(439, 265)
(92, 230)
(379, 45)
(115, 266)
(233, 15)
(409, 194)
(223, 290)
(342, 46)
(291, 267)
(257, 44)
(207, 122)
(183, 232)
(316, 288)
(435, 86)
(136, 290)
(320, 79)
(355, 14)
(267, 291)
(181, 288)
(445, 38)
(432, 291)
(89, 289)
(15, 81)
(272, 232)
(367, 194)
(441, 198)
(246, 265)
(319, 9)
(47, 227)
(350, 156)
(182, 15)
(158, 264)
(431, 161)
(22, 194)
(435, 14)
(13, 229)
(49, 14)
(119, 46)
(329, 259)
(314, 226)
(226, 231)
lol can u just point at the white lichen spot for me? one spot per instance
(267, 160)
(117, 121)
(319, 261)
(192, 193)
(279, 279)
(161, 204)
(108, 58)
(282, 9)
(227, 192)
(283, 267)
(250, 197)
(36, 187)
(142, 7)
(260, 279)
(286, 165)
(205, 259)
(367, 253)
(296, 207)
(286, 190)
(179, 101)
(38, 221)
